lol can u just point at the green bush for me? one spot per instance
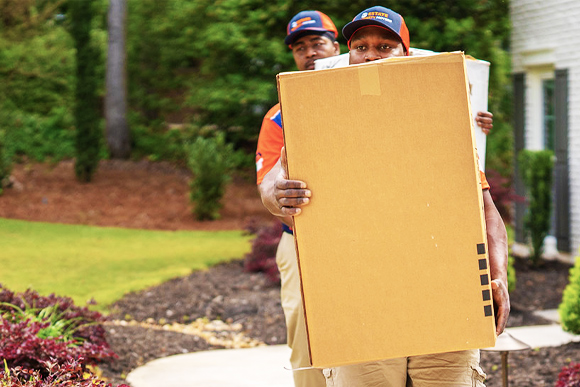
(39, 137)
(5, 163)
(570, 307)
(210, 161)
(158, 144)
(37, 73)
(36, 97)
(511, 274)
(536, 169)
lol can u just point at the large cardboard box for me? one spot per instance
(392, 248)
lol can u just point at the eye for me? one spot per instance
(360, 48)
(386, 47)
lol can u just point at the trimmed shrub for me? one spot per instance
(570, 307)
(210, 161)
(262, 257)
(569, 376)
(536, 169)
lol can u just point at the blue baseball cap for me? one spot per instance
(381, 17)
(307, 23)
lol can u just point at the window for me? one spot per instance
(548, 113)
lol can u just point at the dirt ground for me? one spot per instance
(124, 194)
(155, 196)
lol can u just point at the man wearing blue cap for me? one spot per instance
(311, 35)
(378, 33)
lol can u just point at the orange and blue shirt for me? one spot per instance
(270, 142)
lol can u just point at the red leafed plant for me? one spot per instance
(71, 374)
(503, 193)
(35, 329)
(569, 376)
(262, 257)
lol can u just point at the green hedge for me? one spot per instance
(536, 169)
(210, 161)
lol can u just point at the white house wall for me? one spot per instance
(546, 35)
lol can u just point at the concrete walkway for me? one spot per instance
(269, 366)
(266, 366)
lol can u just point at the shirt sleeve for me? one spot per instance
(270, 143)
(484, 183)
(482, 178)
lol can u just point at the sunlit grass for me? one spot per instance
(104, 263)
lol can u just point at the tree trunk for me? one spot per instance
(118, 137)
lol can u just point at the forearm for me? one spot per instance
(496, 240)
(498, 259)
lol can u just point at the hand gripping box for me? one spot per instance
(392, 248)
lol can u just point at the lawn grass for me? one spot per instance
(104, 263)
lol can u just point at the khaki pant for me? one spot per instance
(294, 313)
(452, 369)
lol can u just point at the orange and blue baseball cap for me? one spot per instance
(310, 23)
(381, 17)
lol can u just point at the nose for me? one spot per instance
(310, 52)
(372, 55)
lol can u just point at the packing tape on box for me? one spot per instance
(369, 81)
(301, 369)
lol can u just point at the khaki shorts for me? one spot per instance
(294, 313)
(452, 369)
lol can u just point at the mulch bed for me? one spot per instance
(227, 292)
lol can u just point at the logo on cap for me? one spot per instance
(376, 15)
(302, 22)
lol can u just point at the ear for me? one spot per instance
(336, 48)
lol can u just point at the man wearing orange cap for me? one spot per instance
(378, 33)
(311, 35)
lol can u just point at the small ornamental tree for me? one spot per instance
(536, 169)
(503, 193)
(570, 307)
(210, 161)
(262, 257)
(87, 103)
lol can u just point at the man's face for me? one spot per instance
(311, 47)
(373, 43)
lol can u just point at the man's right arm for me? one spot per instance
(267, 193)
(282, 197)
